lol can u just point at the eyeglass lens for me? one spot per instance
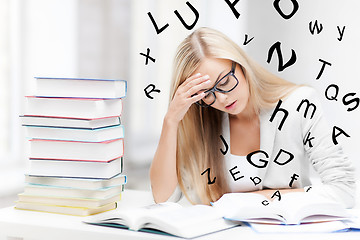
(226, 84)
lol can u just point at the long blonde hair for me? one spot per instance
(198, 138)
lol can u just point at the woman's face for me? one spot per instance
(233, 102)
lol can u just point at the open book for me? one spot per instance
(292, 208)
(166, 218)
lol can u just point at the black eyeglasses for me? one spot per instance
(224, 85)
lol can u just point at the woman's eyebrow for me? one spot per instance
(219, 76)
(216, 81)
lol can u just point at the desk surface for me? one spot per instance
(23, 224)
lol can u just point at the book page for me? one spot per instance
(133, 218)
(247, 207)
(188, 222)
(307, 207)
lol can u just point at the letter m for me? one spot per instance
(308, 105)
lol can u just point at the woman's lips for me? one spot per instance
(230, 106)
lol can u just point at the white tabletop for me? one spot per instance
(22, 224)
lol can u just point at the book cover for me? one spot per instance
(52, 191)
(69, 201)
(104, 151)
(77, 182)
(80, 87)
(75, 169)
(74, 211)
(101, 134)
(86, 123)
(73, 107)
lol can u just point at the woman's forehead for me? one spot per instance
(214, 67)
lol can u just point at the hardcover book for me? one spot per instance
(76, 150)
(86, 123)
(76, 134)
(80, 87)
(88, 108)
(77, 182)
(75, 169)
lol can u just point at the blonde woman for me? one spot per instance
(232, 126)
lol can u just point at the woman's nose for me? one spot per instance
(221, 97)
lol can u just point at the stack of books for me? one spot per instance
(76, 146)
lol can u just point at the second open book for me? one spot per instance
(290, 208)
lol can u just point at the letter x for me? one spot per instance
(147, 55)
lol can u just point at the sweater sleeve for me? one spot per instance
(335, 169)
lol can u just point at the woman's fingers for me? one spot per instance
(195, 81)
(197, 97)
(199, 87)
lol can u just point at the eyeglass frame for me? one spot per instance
(215, 89)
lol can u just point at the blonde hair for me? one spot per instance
(198, 138)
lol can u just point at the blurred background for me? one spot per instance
(104, 39)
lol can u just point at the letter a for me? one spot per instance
(334, 136)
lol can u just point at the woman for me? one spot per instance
(232, 126)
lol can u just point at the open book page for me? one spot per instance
(132, 218)
(250, 207)
(300, 207)
(291, 208)
(189, 221)
(170, 218)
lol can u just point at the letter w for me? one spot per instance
(315, 26)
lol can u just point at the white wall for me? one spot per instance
(104, 38)
(268, 27)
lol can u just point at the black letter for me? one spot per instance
(265, 202)
(232, 6)
(291, 156)
(147, 55)
(248, 157)
(209, 181)
(336, 92)
(147, 93)
(341, 33)
(188, 27)
(277, 193)
(255, 180)
(246, 41)
(293, 178)
(158, 31)
(308, 139)
(312, 28)
(277, 7)
(233, 174)
(226, 145)
(308, 104)
(356, 100)
(322, 68)
(281, 66)
(277, 109)
(334, 136)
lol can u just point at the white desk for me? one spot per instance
(28, 225)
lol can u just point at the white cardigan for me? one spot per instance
(305, 136)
